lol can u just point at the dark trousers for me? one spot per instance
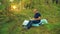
(32, 22)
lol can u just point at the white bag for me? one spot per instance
(25, 22)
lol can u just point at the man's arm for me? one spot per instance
(39, 18)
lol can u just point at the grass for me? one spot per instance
(12, 23)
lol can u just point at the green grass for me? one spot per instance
(11, 23)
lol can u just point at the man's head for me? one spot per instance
(35, 10)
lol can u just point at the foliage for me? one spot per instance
(11, 21)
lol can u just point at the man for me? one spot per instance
(35, 20)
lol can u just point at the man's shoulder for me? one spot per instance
(39, 14)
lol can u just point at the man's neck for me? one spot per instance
(36, 12)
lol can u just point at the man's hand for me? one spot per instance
(31, 18)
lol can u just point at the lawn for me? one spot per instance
(11, 22)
